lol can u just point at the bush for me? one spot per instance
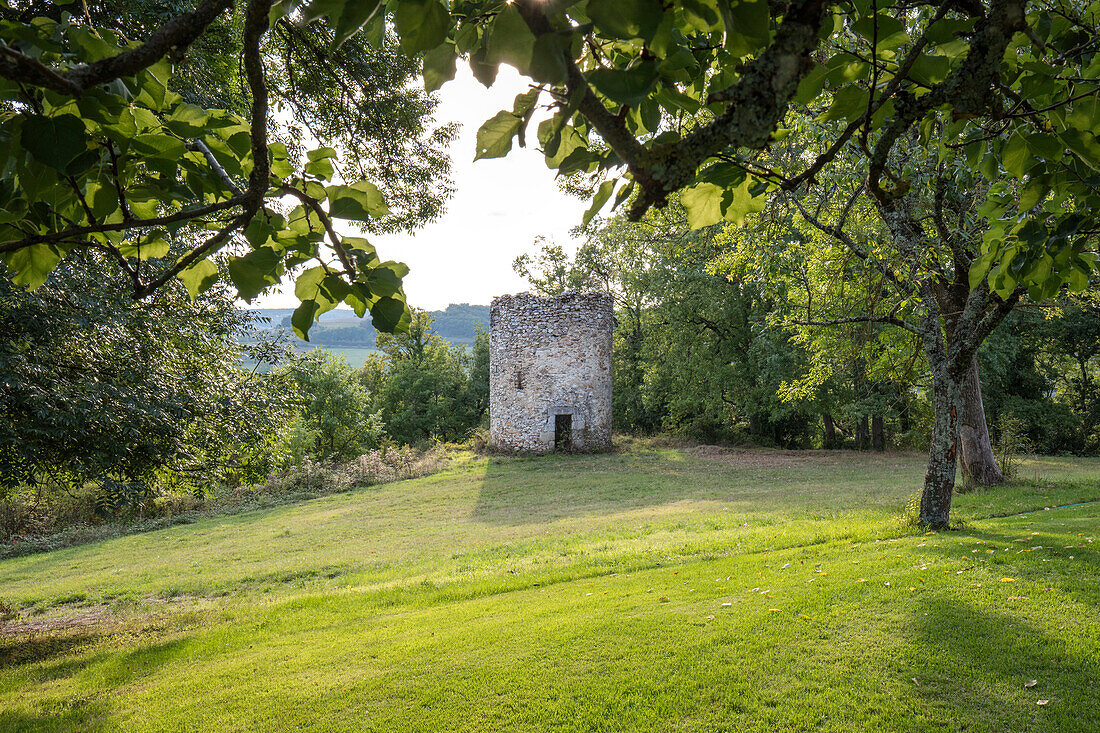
(374, 467)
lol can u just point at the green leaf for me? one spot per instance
(626, 19)
(302, 318)
(703, 203)
(387, 314)
(627, 86)
(602, 195)
(548, 58)
(748, 26)
(484, 70)
(510, 41)
(308, 284)
(739, 202)
(929, 70)
(439, 66)
(811, 85)
(848, 104)
(494, 138)
(1034, 192)
(359, 202)
(199, 277)
(354, 14)
(254, 272)
(383, 281)
(980, 269)
(187, 120)
(280, 163)
(421, 24)
(30, 266)
(320, 169)
(151, 249)
(54, 141)
(1015, 156)
(320, 153)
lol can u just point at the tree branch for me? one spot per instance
(173, 37)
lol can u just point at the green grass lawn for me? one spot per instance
(651, 590)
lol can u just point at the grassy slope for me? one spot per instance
(574, 593)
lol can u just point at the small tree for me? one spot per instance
(336, 420)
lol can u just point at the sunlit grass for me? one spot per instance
(583, 593)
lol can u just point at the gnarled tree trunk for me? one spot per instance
(939, 481)
(976, 450)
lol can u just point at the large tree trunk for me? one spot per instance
(830, 430)
(878, 433)
(862, 434)
(978, 462)
(939, 481)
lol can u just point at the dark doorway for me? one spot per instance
(563, 432)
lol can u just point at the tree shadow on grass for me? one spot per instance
(58, 709)
(545, 489)
(548, 488)
(33, 647)
(972, 665)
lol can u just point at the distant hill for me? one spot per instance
(340, 328)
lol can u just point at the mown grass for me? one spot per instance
(583, 593)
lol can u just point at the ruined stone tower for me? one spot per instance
(550, 372)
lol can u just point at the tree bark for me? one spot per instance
(830, 431)
(978, 462)
(939, 481)
(878, 433)
(862, 434)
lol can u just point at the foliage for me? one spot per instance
(1011, 442)
(105, 157)
(426, 389)
(335, 420)
(373, 467)
(661, 98)
(99, 387)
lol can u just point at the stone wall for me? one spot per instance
(550, 357)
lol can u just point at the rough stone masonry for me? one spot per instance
(550, 372)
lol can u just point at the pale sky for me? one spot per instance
(499, 207)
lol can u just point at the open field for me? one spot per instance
(652, 590)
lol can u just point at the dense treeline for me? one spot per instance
(714, 343)
(116, 408)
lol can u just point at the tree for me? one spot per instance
(665, 98)
(105, 157)
(423, 387)
(360, 98)
(336, 420)
(100, 389)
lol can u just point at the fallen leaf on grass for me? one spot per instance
(1031, 683)
(1017, 598)
(1041, 702)
(802, 615)
(1008, 580)
(663, 599)
(774, 609)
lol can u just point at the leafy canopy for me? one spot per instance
(650, 99)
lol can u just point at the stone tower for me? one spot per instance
(550, 372)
